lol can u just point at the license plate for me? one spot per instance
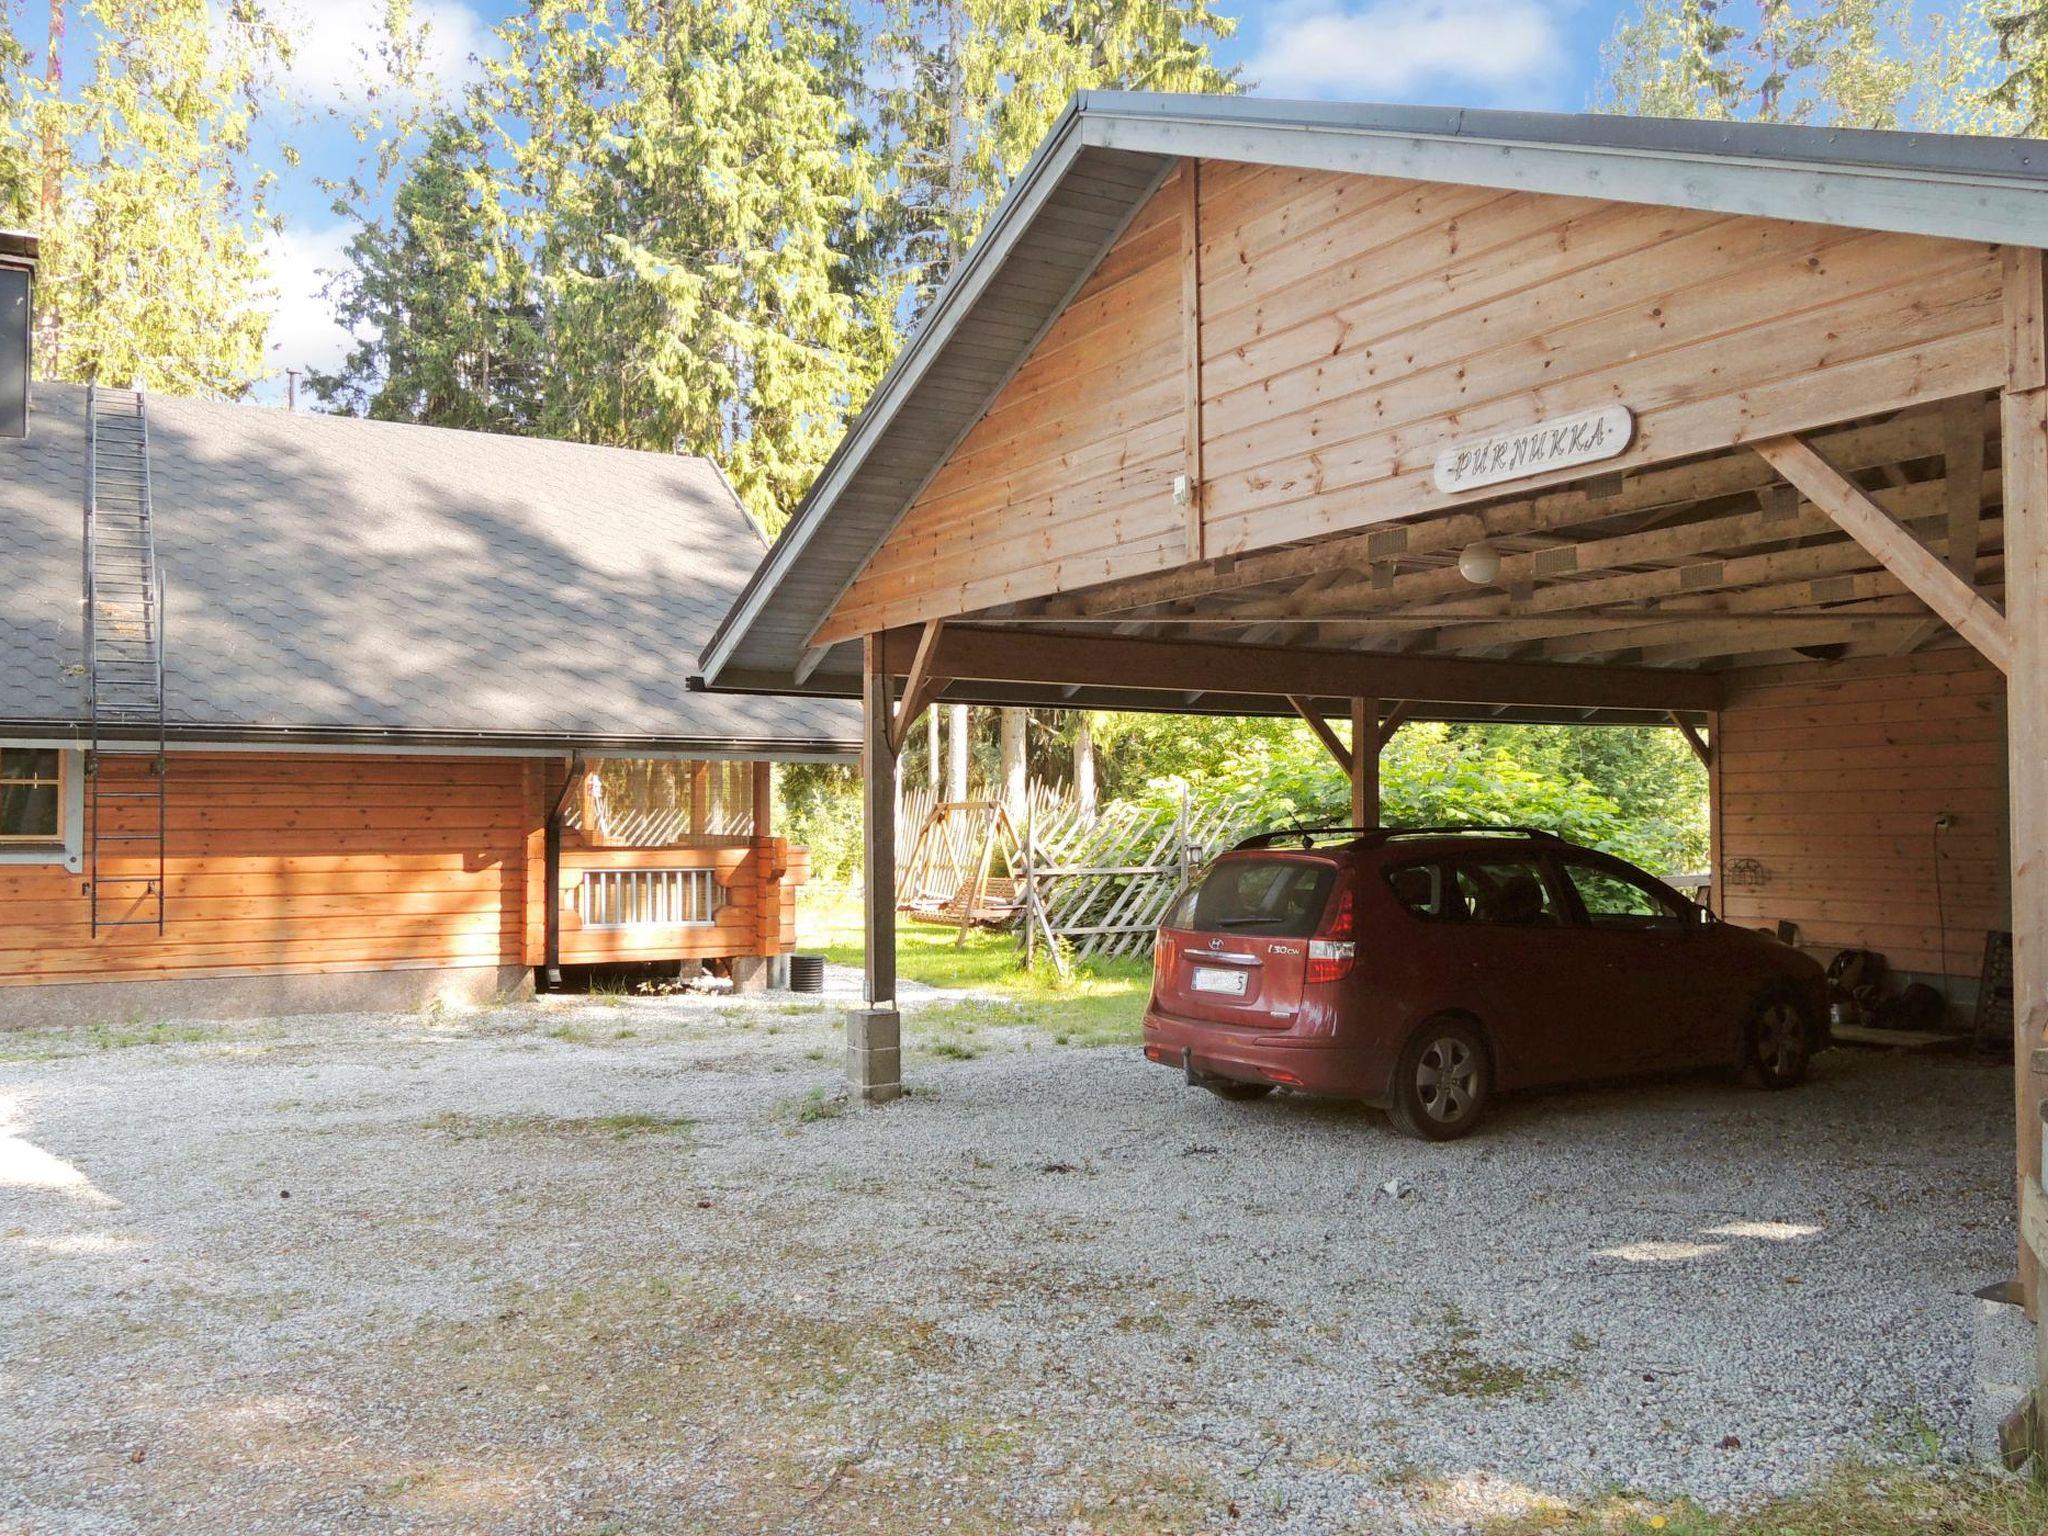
(1229, 983)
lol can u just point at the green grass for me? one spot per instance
(1101, 1005)
(1907, 1501)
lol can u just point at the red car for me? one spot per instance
(1426, 969)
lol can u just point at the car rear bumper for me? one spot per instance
(1319, 1066)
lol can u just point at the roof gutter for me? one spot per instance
(192, 737)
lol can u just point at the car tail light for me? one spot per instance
(1332, 953)
(1162, 955)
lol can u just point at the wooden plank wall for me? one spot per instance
(290, 862)
(1831, 779)
(1089, 434)
(298, 862)
(1352, 326)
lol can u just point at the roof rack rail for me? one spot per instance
(1309, 836)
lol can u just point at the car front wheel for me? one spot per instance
(1441, 1082)
(1778, 1040)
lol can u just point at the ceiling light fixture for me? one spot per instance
(1479, 563)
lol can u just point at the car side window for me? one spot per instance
(1613, 899)
(1430, 891)
(1513, 893)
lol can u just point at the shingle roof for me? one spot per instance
(1108, 152)
(357, 578)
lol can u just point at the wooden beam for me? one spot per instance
(920, 686)
(1962, 423)
(1393, 720)
(1693, 739)
(1332, 742)
(1962, 478)
(1365, 762)
(2024, 448)
(988, 654)
(1916, 434)
(1191, 347)
(878, 828)
(764, 799)
(1952, 598)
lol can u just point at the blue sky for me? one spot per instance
(1538, 54)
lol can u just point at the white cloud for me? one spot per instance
(335, 46)
(1392, 49)
(303, 331)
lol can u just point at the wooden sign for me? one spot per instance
(1549, 445)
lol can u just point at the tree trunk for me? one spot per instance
(1084, 766)
(963, 724)
(1016, 723)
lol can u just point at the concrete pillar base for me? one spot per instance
(749, 975)
(874, 1054)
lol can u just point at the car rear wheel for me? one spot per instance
(1442, 1082)
(1778, 1040)
(1224, 1088)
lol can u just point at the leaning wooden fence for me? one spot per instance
(1092, 887)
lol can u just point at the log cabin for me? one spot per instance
(1379, 413)
(311, 712)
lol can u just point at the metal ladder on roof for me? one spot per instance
(124, 644)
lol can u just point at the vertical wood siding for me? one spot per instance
(1831, 780)
(1352, 326)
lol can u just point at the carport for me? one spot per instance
(1380, 414)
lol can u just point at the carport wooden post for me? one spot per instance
(1365, 762)
(874, 1033)
(2024, 420)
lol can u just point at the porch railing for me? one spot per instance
(648, 898)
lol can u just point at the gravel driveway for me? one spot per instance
(629, 1268)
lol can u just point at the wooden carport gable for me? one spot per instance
(1195, 465)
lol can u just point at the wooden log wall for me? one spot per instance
(1830, 780)
(1351, 326)
(296, 863)
(761, 880)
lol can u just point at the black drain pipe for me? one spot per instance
(551, 953)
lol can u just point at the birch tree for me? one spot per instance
(1840, 63)
(152, 213)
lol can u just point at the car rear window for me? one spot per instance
(1266, 898)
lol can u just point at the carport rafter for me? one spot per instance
(1936, 584)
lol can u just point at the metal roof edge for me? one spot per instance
(1939, 185)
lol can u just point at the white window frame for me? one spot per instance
(68, 847)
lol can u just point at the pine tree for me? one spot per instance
(441, 299)
(682, 176)
(979, 82)
(153, 216)
(2022, 38)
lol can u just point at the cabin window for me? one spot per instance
(31, 795)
